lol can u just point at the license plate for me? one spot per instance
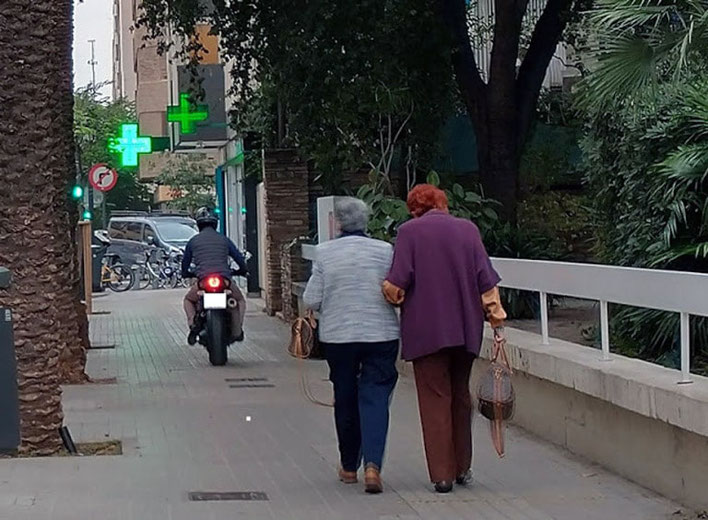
(215, 300)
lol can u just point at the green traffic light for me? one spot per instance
(77, 192)
(87, 215)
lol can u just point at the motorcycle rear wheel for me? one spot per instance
(217, 337)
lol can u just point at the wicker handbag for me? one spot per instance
(496, 394)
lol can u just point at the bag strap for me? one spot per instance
(311, 320)
(499, 349)
(307, 389)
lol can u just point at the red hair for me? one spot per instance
(424, 198)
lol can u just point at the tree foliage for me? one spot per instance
(501, 101)
(646, 152)
(643, 43)
(190, 181)
(96, 119)
(350, 83)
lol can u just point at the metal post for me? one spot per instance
(9, 400)
(90, 199)
(93, 64)
(605, 330)
(544, 319)
(87, 262)
(685, 348)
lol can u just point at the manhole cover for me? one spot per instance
(101, 347)
(245, 379)
(252, 385)
(204, 496)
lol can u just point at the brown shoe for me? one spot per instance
(372, 480)
(348, 477)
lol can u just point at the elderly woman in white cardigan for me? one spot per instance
(360, 333)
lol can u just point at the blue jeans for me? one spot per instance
(364, 376)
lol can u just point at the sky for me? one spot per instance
(93, 20)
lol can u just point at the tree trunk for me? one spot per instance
(36, 166)
(499, 153)
(499, 173)
(502, 109)
(73, 358)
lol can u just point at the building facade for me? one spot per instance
(124, 76)
(154, 82)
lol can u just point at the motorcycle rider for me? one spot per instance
(209, 251)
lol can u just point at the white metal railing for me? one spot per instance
(681, 292)
(674, 291)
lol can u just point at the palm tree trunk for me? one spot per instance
(36, 163)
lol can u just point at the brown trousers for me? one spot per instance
(442, 380)
(238, 314)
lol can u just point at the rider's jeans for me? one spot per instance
(191, 301)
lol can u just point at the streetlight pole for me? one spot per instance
(93, 62)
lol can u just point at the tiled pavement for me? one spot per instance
(185, 429)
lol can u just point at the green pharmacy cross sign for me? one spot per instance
(129, 144)
(187, 114)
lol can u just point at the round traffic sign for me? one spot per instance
(102, 177)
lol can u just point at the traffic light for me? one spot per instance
(87, 215)
(77, 192)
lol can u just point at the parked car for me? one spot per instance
(132, 233)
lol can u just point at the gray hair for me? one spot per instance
(351, 213)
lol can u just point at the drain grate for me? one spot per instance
(245, 379)
(205, 496)
(252, 385)
(101, 347)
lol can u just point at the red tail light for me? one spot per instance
(214, 283)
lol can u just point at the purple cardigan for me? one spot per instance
(441, 263)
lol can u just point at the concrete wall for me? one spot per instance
(666, 458)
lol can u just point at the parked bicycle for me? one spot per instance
(114, 275)
(159, 270)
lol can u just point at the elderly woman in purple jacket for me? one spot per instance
(445, 283)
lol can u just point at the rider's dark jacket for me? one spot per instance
(209, 251)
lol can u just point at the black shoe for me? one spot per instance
(192, 337)
(464, 479)
(443, 487)
(240, 337)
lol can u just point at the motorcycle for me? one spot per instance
(214, 316)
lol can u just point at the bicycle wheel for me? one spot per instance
(121, 279)
(143, 279)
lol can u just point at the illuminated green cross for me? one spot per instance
(187, 114)
(129, 144)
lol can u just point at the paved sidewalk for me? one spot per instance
(185, 428)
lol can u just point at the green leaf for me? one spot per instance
(490, 213)
(473, 197)
(434, 178)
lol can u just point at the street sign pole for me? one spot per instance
(90, 198)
